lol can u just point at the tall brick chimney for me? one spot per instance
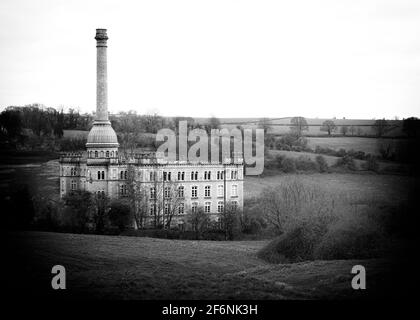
(101, 76)
(101, 139)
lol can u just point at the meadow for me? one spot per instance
(116, 267)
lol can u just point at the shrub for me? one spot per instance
(372, 164)
(304, 163)
(355, 238)
(119, 214)
(347, 162)
(296, 245)
(288, 165)
(322, 163)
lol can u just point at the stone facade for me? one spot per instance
(206, 185)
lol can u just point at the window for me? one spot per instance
(167, 192)
(234, 174)
(181, 191)
(207, 191)
(101, 194)
(166, 208)
(194, 175)
(234, 190)
(62, 185)
(123, 190)
(207, 206)
(122, 175)
(99, 175)
(207, 175)
(96, 154)
(194, 207)
(181, 208)
(220, 190)
(194, 191)
(103, 175)
(181, 176)
(152, 175)
(152, 193)
(73, 185)
(125, 175)
(107, 154)
(152, 209)
(219, 175)
(220, 207)
(234, 205)
(102, 154)
(112, 154)
(166, 176)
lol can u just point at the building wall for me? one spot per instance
(113, 174)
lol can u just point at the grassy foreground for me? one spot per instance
(145, 268)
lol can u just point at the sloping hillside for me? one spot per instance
(144, 268)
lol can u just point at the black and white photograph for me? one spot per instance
(229, 153)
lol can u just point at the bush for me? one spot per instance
(296, 245)
(372, 164)
(119, 214)
(347, 162)
(352, 239)
(288, 165)
(304, 163)
(322, 163)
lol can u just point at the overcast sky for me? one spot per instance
(350, 58)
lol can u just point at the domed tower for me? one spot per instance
(102, 140)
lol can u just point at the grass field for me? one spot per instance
(367, 145)
(363, 187)
(144, 268)
(282, 125)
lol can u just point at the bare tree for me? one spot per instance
(344, 130)
(292, 201)
(298, 125)
(198, 220)
(230, 220)
(381, 127)
(172, 200)
(138, 195)
(329, 126)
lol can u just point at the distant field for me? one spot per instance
(282, 126)
(384, 166)
(75, 133)
(362, 187)
(112, 267)
(367, 145)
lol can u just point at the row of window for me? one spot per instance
(194, 207)
(167, 175)
(102, 154)
(180, 192)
